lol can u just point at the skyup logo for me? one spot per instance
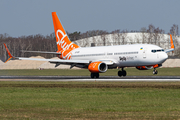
(62, 42)
(65, 45)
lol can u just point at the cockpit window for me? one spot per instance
(154, 51)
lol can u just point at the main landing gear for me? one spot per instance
(94, 75)
(155, 72)
(122, 73)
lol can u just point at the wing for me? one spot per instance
(172, 45)
(169, 50)
(55, 60)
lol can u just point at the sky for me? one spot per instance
(31, 17)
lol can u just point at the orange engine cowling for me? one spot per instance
(144, 67)
(148, 67)
(97, 67)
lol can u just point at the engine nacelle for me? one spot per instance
(148, 67)
(144, 67)
(97, 67)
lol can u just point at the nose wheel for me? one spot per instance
(122, 73)
(155, 72)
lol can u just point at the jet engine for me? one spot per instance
(97, 67)
(144, 67)
(148, 67)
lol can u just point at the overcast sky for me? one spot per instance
(30, 17)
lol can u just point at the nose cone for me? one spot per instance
(163, 57)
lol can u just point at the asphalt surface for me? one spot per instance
(87, 78)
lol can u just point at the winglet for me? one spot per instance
(8, 53)
(172, 44)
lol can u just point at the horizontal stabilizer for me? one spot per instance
(43, 52)
(10, 56)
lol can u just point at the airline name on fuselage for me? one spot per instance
(126, 58)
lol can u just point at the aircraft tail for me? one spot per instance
(63, 42)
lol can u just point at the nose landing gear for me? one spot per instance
(155, 72)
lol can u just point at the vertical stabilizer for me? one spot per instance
(63, 42)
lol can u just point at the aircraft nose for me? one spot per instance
(164, 56)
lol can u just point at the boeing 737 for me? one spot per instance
(100, 59)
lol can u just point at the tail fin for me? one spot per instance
(63, 42)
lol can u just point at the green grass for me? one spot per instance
(101, 100)
(85, 72)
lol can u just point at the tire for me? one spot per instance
(124, 73)
(119, 73)
(155, 72)
(97, 75)
(92, 75)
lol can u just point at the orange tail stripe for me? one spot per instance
(7, 50)
(8, 60)
(172, 44)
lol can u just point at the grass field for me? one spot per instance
(85, 72)
(89, 100)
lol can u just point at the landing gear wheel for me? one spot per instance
(94, 75)
(155, 72)
(122, 73)
(119, 73)
(97, 75)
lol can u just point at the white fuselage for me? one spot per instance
(123, 55)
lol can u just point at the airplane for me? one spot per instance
(100, 59)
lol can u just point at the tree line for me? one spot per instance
(47, 43)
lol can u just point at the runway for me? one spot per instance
(87, 78)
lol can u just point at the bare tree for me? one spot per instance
(48, 43)
(150, 33)
(115, 36)
(123, 37)
(144, 35)
(103, 37)
(174, 30)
